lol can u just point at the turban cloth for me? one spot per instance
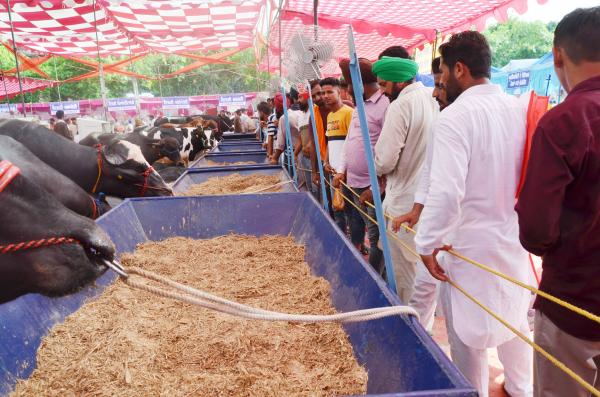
(396, 70)
(365, 71)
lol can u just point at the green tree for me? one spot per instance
(210, 79)
(518, 39)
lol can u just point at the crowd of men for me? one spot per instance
(449, 161)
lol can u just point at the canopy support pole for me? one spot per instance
(3, 77)
(279, 27)
(357, 86)
(134, 80)
(12, 34)
(57, 80)
(100, 66)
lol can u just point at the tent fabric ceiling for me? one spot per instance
(378, 24)
(139, 26)
(12, 85)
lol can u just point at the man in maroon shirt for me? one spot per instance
(559, 210)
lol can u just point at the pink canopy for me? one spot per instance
(69, 27)
(379, 24)
(12, 85)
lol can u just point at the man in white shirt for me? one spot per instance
(476, 164)
(425, 296)
(400, 150)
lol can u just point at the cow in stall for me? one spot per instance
(118, 169)
(190, 135)
(70, 248)
(152, 149)
(67, 192)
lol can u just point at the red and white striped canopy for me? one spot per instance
(10, 85)
(378, 24)
(110, 27)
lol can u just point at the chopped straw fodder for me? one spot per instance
(235, 183)
(131, 343)
(211, 163)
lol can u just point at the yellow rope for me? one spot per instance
(531, 343)
(558, 301)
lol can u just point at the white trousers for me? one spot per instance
(425, 296)
(515, 355)
(404, 263)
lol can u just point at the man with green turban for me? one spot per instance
(400, 150)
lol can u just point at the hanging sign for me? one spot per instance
(67, 107)
(518, 79)
(176, 102)
(121, 104)
(6, 108)
(232, 100)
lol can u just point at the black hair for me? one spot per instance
(435, 65)
(293, 94)
(264, 107)
(396, 51)
(332, 81)
(578, 33)
(343, 83)
(470, 48)
(60, 114)
(314, 83)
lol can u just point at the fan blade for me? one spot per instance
(323, 51)
(310, 71)
(299, 44)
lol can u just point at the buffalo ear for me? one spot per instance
(115, 153)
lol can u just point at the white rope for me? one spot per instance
(270, 187)
(213, 302)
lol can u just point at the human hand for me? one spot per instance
(315, 178)
(432, 265)
(328, 169)
(337, 179)
(410, 218)
(366, 197)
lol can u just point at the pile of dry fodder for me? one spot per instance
(235, 183)
(131, 343)
(211, 163)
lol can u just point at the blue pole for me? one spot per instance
(288, 137)
(317, 149)
(357, 87)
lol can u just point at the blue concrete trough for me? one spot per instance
(401, 358)
(225, 158)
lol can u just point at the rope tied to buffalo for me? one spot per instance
(208, 301)
(44, 242)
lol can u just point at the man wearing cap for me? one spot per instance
(400, 151)
(353, 168)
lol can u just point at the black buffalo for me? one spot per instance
(31, 213)
(62, 188)
(118, 169)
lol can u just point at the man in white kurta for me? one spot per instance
(399, 155)
(476, 163)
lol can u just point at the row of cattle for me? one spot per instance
(51, 187)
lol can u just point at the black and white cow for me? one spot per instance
(191, 137)
(152, 149)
